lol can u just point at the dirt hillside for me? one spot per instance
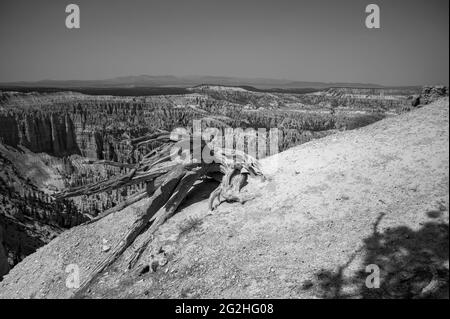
(376, 195)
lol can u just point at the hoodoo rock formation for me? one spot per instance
(62, 124)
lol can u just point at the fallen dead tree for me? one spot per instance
(169, 172)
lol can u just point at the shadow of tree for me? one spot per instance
(198, 193)
(412, 263)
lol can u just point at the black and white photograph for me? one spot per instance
(224, 156)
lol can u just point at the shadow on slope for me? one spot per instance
(413, 264)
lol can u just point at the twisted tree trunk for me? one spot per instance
(159, 198)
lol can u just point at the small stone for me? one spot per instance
(163, 261)
(307, 284)
(154, 265)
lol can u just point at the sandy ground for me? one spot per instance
(331, 207)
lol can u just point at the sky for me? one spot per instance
(305, 40)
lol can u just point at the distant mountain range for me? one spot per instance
(185, 81)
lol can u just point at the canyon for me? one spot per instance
(376, 195)
(48, 139)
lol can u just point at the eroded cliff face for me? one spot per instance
(29, 217)
(9, 130)
(57, 134)
(4, 266)
(41, 133)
